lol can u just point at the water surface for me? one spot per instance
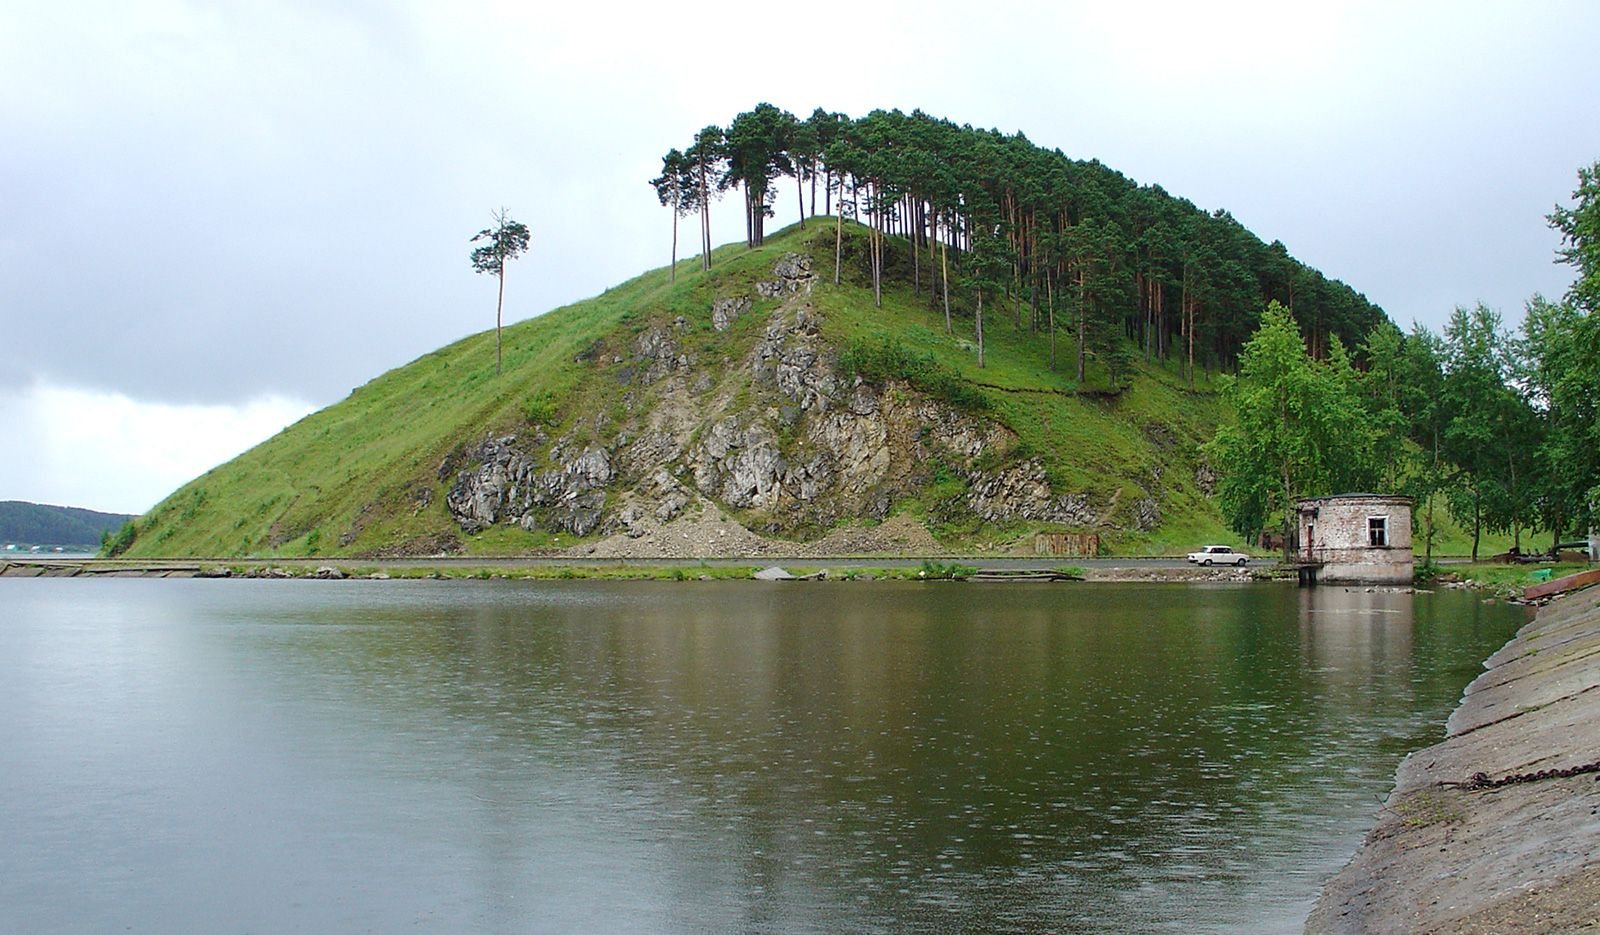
(231, 756)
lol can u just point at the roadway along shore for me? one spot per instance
(1517, 848)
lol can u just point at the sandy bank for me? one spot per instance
(1451, 855)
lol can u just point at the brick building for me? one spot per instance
(1355, 538)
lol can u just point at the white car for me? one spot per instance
(1218, 555)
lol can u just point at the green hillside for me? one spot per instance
(39, 524)
(368, 475)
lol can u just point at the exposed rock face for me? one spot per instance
(657, 351)
(724, 311)
(508, 486)
(1023, 492)
(778, 436)
(792, 273)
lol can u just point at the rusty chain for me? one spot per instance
(1482, 781)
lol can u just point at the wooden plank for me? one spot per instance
(1570, 583)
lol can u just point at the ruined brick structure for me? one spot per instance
(1357, 538)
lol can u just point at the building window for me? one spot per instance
(1378, 532)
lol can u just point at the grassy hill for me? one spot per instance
(369, 475)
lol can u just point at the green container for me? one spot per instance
(1542, 574)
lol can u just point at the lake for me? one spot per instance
(340, 756)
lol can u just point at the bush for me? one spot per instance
(113, 545)
(542, 410)
(888, 360)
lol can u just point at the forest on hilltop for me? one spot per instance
(1123, 269)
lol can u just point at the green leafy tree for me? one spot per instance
(705, 158)
(757, 150)
(1300, 429)
(677, 189)
(985, 269)
(1570, 353)
(805, 149)
(1558, 367)
(506, 240)
(1580, 237)
(1488, 432)
(1422, 392)
(1384, 390)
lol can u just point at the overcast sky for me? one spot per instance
(216, 217)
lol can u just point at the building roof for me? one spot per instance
(1390, 498)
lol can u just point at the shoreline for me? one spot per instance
(839, 568)
(1495, 829)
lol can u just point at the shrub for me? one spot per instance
(112, 545)
(887, 359)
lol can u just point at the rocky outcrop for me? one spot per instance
(778, 437)
(725, 311)
(658, 353)
(1023, 492)
(507, 484)
(791, 274)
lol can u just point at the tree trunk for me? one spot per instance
(1191, 342)
(500, 303)
(1516, 515)
(1477, 525)
(749, 219)
(1050, 302)
(838, 243)
(1427, 546)
(1083, 323)
(705, 219)
(800, 197)
(980, 328)
(1161, 322)
(916, 258)
(875, 216)
(944, 277)
(673, 276)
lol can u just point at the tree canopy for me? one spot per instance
(1138, 267)
(1301, 430)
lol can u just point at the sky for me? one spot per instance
(217, 217)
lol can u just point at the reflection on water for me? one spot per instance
(577, 756)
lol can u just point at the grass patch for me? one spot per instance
(1498, 576)
(1426, 807)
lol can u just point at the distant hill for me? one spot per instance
(39, 524)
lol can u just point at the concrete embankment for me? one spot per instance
(1517, 848)
(91, 569)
